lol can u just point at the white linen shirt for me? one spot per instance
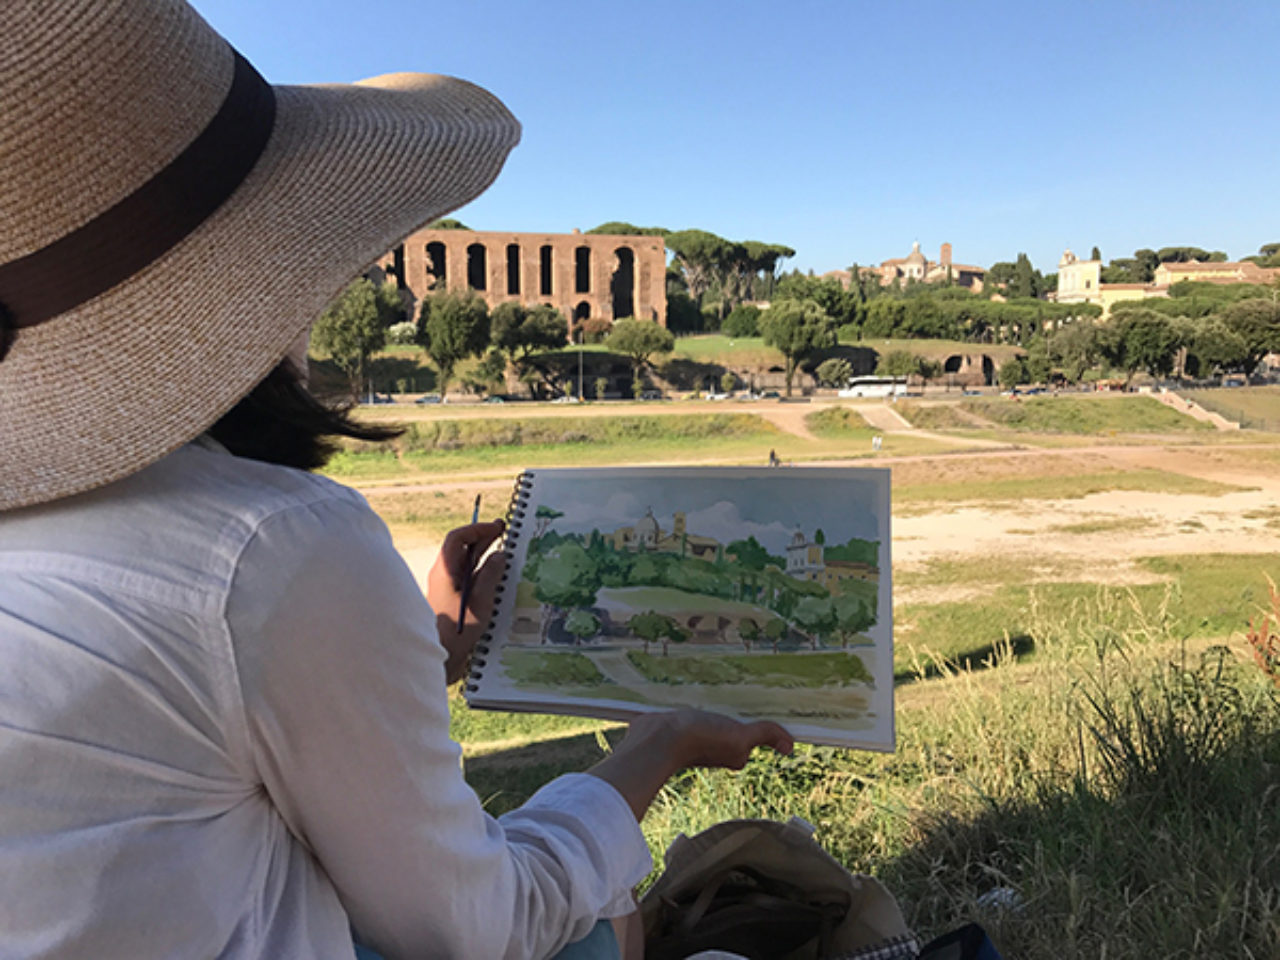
(224, 733)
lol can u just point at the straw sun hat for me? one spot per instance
(170, 224)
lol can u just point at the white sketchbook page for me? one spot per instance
(603, 542)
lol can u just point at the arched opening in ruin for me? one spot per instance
(436, 265)
(622, 284)
(544, 270)
(477, 266)
(953, 363)
(397, 265)
(581, 314)
(582, 270)
(513, 269)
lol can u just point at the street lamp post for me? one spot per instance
(581, 335)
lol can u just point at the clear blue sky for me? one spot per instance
(845, 130)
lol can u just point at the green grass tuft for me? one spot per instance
(1084, 415)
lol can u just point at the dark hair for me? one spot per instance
(281, 421)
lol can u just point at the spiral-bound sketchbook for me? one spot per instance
(758, 593)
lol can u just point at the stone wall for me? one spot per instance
(583, 275)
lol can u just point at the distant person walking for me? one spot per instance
(773, 459)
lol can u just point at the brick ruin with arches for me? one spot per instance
(585, 276)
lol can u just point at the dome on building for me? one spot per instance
(915, 256)
(798, 539)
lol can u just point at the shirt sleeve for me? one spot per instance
(342, 676)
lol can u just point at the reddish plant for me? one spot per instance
(1264, 637)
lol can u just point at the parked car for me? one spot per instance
(771, 395)
(651, 395)
(494, 398)
(566, 398)
(430, 398)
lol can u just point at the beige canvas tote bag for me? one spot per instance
(767, 891)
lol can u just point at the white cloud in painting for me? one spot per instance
(620, 510)
(725, 523)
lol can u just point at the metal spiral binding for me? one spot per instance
(514, 522)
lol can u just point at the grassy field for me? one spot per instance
(1084, 415)
(934, 416)
(1068, 486)
(1121, 785)
(1068, 726)
(436, 447)
(1201, 596)
(1257, 408)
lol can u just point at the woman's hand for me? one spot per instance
(458, 554)
(696, 738)
(658, 746)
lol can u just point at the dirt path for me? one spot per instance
(884, 418)
(1095, 537)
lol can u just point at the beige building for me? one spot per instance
(916, 267)
(1080, 281)
(1244, 271)
(583, 275)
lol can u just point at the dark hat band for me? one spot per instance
(145, 225)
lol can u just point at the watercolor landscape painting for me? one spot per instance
(756, 593)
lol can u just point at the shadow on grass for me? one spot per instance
(1164, 843)
(507, 778)
(976, 658)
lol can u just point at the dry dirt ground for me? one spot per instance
(1096, 537)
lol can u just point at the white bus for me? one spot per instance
(875, 387)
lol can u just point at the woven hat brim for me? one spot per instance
(101, 391)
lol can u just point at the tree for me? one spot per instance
(749, 632)
(447, 223)
(701, 257)
(743, 321)
(1038, 364)
(673, 633)
(1216, 347)
(900, 363)
(1074, 349)
(1095, 254)
(840, 305)
(1013, 372)
(602, 387)
(543, 518)
(452, 327)
(852, 616)
(796, 329)
(1001, 274)
(1026, 280)
(355, 325)
(649, 627)
(522, 333)
(566, 576)
(620, 228)
(774, 631)
(1257, 322)
(834, 372)
(683, 312)
(816, 617)
(766, 259)
(1140, 340)
(639, 340)
(581, 624)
